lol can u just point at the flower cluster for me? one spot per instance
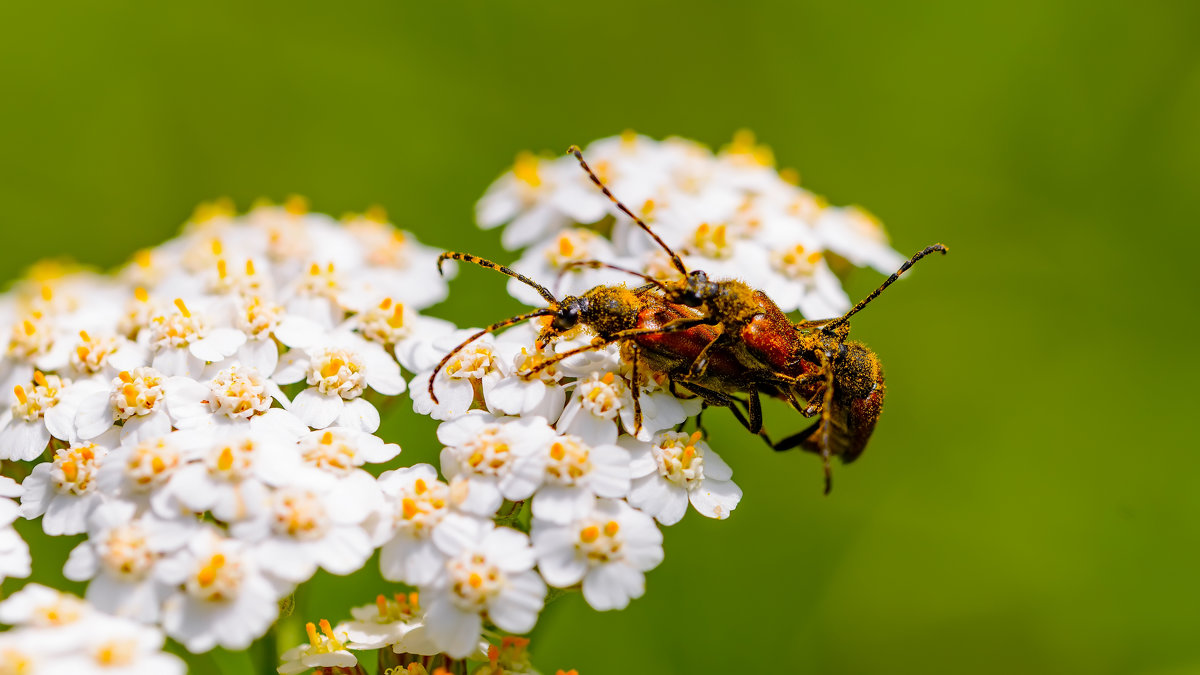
(730, 214)
(59, 633)
(205, 415)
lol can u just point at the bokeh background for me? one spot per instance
(1029, 501)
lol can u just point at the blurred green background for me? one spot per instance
(1029, 500)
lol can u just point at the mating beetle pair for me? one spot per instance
(723, 341)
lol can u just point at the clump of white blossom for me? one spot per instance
(207, 416)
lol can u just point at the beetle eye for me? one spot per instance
(566, 318)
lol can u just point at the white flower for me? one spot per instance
(64, 489)
(238, 397)
(324, 650)
(476, 364)
(37, 606)
(302, 529)
(539, 196)
(417, 502)
(14, 552)
(119, 558)
(383, 624)
(677, 468)
(182, 342)
(112, 644)
(337, 375)
(602, 400)
(575, 474)
(609, 549)
(489, 569)
(136, 399)
(231, 479)
(137, 471)
(38, 413)
(223, 597)
(483, 451)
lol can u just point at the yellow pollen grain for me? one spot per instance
(790, 176)
(611, 528)
(327, 438)
(557, 451)
(249, 267)
(628, 137)
(20, 393)
(608, 378)
(647, 209)
(385, 304)
(311, 629)
(182, 308)
(40, 378)
(222, 269)
(217, 247)
(589, 534)
(143, 258)
(314, 269)
(381, 605)
(814, 257)
(475, 580)
(70, 471)
(141, 294)
(408, 507)
(326, 629)
(47, 292)
(696, 436)
(419, 486)
(125, 376)
(565, 247)
(30, 329)
(397, 319)
(83, 335)
(157, 464)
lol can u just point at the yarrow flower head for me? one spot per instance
(207, 418)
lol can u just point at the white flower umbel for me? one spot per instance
(326, 649)
(137, 471)
(610, 549)
(64, 490)
(676, 468)
(482, 451)
(222, 596)
(488, 570)
(236, 398)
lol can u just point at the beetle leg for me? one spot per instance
(636, 390)
(713, 397)
(700, 363)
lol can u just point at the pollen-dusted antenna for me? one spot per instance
(890, 280)
(483, 262)
(675, 259)
(546, 311)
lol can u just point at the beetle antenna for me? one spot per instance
(890, 280)
(675, 259)
(490, 329)
(596, 264)
(483, 262)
